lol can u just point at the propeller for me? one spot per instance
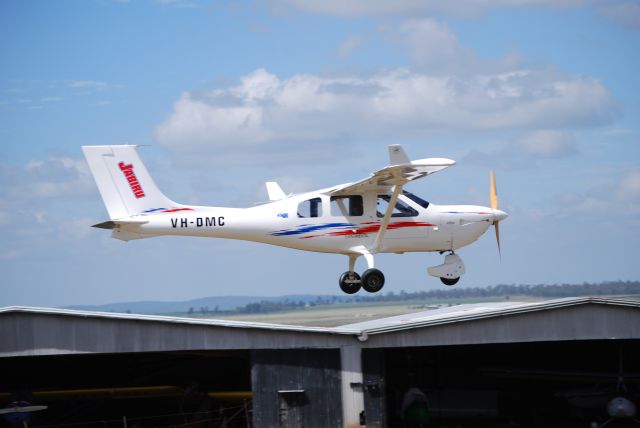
(498, 215)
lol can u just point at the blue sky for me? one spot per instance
(231, 94)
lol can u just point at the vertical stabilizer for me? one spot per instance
(125, 184)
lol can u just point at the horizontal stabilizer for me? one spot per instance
(111, 224)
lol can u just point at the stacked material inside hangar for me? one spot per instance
(552, 363)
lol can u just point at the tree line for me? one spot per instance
(503, 291)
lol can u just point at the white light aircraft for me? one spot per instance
(370, 216)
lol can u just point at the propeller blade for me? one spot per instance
(494, 192)
(496, 226)
(494, 206)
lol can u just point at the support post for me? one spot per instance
(352, 389)
(385, 220)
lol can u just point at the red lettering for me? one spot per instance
(135, 186)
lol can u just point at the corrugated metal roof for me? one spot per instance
(469, 312)
(168, 319)
(458, 313)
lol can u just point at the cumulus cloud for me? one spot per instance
(435, 49)
(263, 108)
(446, 89)
(433, 46)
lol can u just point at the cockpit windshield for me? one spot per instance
(418, 200)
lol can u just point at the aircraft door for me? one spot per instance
(406, 230)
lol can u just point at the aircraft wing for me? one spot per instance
(400, 172)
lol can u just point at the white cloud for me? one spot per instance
(88, 84)
(434, 47)
(265, 109)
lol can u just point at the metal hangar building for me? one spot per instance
(511, 364)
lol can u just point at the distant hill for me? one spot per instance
(261, 304)
(208, 304)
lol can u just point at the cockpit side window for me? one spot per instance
(310, 208)
(418, 200)
(347, 206)
(400, 210)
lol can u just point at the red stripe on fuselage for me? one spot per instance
(372, 227)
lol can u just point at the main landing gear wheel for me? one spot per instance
(449, 281)
(372, 280)
(350, 282)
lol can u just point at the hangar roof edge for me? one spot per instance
(169, 319)
(453, 314)
(470, 312)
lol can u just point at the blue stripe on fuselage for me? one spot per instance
(306, 228)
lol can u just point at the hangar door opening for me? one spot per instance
(194, 389)
(549, 384)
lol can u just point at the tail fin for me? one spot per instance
(125, 184)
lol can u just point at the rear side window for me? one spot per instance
(310, 208)
(347, 206)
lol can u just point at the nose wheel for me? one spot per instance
(449, 281)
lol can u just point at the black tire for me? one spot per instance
(449, 281)
(372, 280)
(350, 282)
